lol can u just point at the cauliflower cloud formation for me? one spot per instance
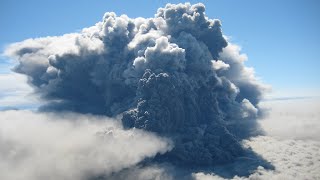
(174, 74)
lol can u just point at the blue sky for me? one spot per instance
(281, 38)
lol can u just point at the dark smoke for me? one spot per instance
(174, 74)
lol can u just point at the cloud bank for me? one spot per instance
(292, 118)
(70, 146)
(174, 74)
(293, 159)
(291, 142)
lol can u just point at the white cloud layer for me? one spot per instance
(38, 146)
(293, 159)
(292, 118)
(291, 144)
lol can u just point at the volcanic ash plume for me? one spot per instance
(174, 74)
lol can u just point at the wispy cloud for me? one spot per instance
(15, 92)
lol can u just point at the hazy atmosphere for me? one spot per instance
(159, 90)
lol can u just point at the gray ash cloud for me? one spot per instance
(174, 74)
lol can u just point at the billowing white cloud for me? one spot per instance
(217, 65)
(38, 146)
(248, 109)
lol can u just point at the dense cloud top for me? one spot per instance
(174, 74)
